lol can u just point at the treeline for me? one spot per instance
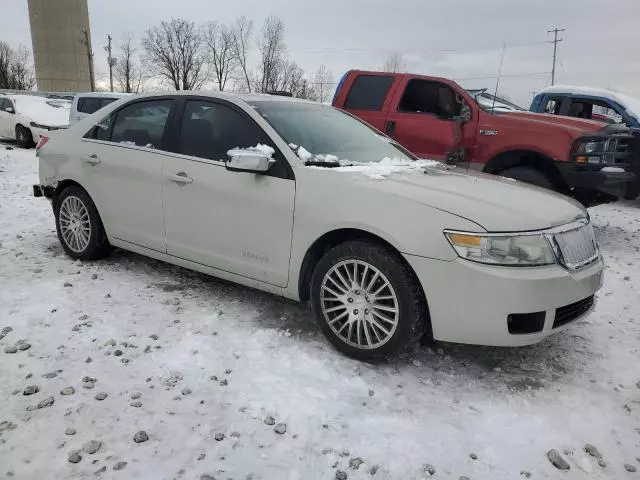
(185, 56)
(16, 72)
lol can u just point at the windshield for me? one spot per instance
(319, 133)
(486, 102)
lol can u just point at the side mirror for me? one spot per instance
(465, 113)
(248, 160)
(9, 110)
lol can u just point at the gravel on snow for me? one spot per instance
(398, 420)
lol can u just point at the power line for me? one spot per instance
(387, 50)
(555, 42)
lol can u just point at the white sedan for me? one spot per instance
(25, 118)
(305, 201)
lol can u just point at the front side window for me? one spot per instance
(552, 106)
(3, 104)
(209, 130)
(424, 96)
(141, 123)
(320, 133)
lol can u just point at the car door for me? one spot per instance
(7, 119)
(4, 120)
(238, 222)
(121, 160)
(421, 118)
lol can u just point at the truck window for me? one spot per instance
(424, 96)
(594, 110)
(368, 92)
(552, 106)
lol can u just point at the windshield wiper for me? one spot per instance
(319, 163)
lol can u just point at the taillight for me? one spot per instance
(43, 141)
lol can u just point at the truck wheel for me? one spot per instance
(367, 300)
(79, 226)
(24, 138)
(528, 175)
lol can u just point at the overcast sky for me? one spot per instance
(453, 38)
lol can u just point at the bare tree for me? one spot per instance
(175, 51)
(272, 52)
(127, 70)
(323, 81)
(241, 32)
(16, 72)
(220, 45)
(393, 63)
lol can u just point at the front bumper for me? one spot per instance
(471, 302)
(619, 183)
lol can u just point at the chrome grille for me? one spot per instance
(578, 247)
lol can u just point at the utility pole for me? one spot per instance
(111, 60)
(87, 44)
(555, 49)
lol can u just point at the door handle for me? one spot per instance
(390, 127)
(180, 177)
(92, 159)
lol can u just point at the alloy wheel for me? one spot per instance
(75, 223)
(359, 304)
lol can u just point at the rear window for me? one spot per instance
(90, 105)
(368, 92)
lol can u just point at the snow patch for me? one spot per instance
(304, 154)
(387, 166)
(45, 111)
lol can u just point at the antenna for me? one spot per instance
(504, 47)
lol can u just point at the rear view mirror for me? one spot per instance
(9, 110)
(248, 160)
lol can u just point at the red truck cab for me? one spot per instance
(435, 118)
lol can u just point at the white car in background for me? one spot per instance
(25, 118)
(84, 104)
(305, 201)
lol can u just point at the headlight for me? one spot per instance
(503, 249)
(591, 151)
(38, 125)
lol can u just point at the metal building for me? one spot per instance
(59, 54)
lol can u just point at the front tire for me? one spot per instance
(79, 226)
(528, 175)
(367, 300)
(24, 138)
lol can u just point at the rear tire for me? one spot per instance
(360, 322)
(528, 175)
(24, 138)
(79, 226)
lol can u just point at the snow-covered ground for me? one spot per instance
(199, 365)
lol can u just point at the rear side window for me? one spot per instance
(368, 92)
(141, 123)
(90, 105)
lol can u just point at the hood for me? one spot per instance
(495, 203)
(48, 112)
(580, 124)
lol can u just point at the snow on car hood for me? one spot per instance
(44, 111)
(497, 204)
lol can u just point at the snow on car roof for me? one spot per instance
(630, 104)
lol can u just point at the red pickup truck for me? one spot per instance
(436, 118)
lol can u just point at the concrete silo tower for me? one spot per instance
(59, 34)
